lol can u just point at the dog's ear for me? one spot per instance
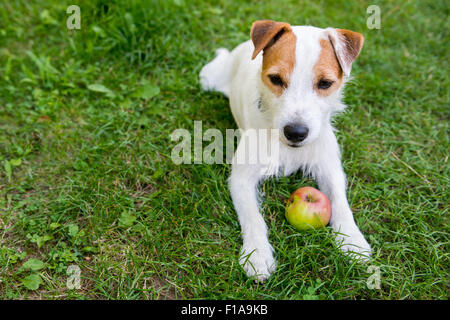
(347, 46)
(265, 33)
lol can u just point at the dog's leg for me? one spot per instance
(331, 179)
(256, 256)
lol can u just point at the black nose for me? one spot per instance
(295, 133)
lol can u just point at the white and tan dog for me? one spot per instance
(294, 86)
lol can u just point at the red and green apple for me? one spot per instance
(308, 208)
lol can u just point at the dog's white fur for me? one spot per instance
(239, 77)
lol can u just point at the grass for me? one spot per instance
(86, 177)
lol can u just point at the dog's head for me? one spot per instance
(303, 73)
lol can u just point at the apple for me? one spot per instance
(308, 208)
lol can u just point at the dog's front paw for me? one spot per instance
(352, 242)
(257, 261)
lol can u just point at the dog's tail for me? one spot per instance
(215, 76)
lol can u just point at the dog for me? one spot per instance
(289, 79)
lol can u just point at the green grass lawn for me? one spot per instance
(86, 177)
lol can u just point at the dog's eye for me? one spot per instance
(324, 84)
(276, 80)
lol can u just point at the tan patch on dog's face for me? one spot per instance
(327, 71)
(279, 62)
